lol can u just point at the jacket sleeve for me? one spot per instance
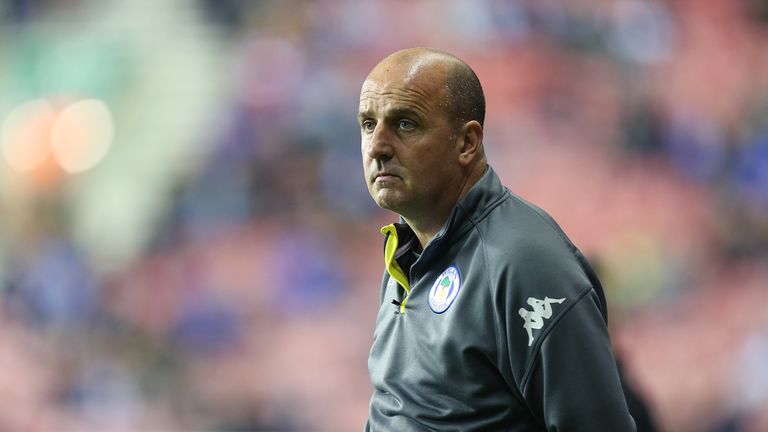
(573, 383)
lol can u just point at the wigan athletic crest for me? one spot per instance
(445, 289)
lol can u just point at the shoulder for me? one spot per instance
(518, 235)
(535, 270)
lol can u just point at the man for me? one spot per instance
(490, 319)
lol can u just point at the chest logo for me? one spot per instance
(444, 290)
(391, 284)
(534, 319)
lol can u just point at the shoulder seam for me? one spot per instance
(552, 226)
(543, 336)
(487, 209)
(516, 389)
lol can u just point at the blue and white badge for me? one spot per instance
(445, 289)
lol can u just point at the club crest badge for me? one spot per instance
(444, 290)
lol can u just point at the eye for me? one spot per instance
(368, 125)
(406, 124)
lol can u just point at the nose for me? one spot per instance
(378, 145)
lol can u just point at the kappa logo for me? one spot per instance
(542, 309)
(391, 283)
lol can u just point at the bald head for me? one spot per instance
(462, 95)
(420, 116)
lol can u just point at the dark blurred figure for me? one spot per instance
(636, 403)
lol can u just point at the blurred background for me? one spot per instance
(186, 242)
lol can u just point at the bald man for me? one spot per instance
(490, 318)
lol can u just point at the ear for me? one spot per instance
(470, 142)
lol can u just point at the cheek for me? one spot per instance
(435, 172)
(368, 166)
(428, 163)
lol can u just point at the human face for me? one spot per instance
(408, 144)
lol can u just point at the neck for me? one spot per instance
(427, 226)
(425, 233)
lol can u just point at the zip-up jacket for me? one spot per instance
(498, 325)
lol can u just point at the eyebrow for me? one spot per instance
(363, 114)
(404, 112)
(394, 112)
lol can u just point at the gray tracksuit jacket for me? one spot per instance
(499, 325)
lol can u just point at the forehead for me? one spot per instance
(413, 86)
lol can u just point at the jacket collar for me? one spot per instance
(470, 209)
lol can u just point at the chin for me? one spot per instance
(387, 203)
(388, 198)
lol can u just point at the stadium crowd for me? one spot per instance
(248, 300)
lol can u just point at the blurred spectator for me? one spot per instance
(235, 177)
(52, 286)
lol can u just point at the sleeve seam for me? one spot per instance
(537, 345)
(515, 388)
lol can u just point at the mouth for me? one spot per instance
(384, 176)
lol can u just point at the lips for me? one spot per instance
(378, 171)
(385, 175)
